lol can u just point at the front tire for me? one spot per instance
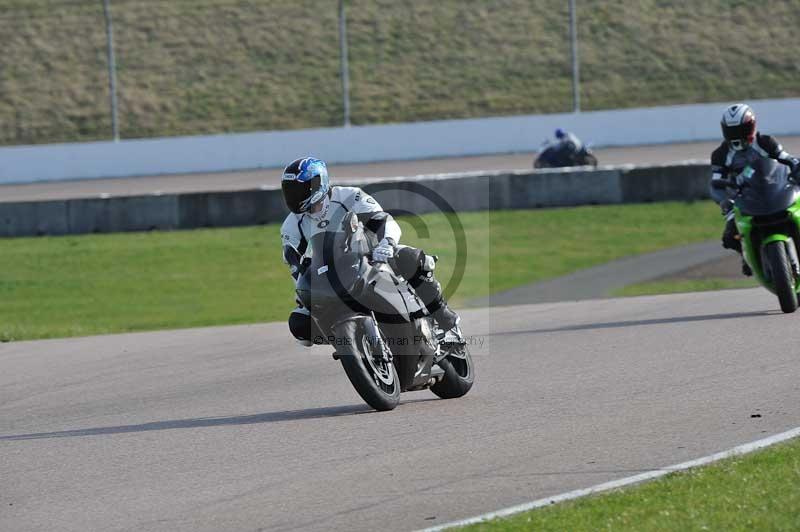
(782, 276)
(459, 374)
(374, 378)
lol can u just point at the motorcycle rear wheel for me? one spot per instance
(375, 379)
(782, 276)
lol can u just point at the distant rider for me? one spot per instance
(314, 203)
(743, 144)
(568, 143)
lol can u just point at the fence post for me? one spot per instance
(576, 65)
(112, 69)
(343, 62)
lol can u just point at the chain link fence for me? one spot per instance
(218, 66)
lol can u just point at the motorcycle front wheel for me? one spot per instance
(371, 373)
(782, 276)
(458, 374)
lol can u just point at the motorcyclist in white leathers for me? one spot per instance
(314, 203)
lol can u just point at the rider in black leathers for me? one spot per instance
(742, 145)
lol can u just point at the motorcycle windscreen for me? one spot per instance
(340, 265)
(767, 188)
(332, 271)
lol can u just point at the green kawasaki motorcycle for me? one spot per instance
(767, 211)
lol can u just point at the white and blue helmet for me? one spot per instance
(305, 183)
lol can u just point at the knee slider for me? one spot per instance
(429, 262)
(427, 266)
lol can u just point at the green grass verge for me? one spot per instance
(683, 285)
(751, 492)
(94, 284)
(216, 66)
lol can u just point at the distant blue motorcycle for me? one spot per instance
(564, 155)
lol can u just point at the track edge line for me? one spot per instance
(627, 481)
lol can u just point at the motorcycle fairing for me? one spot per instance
(758, 231)
(766, 189)
(340, 281)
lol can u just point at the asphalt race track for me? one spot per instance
(660, 154)
(238, 428)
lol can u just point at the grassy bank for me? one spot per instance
(213, 66)
(753, 492)
(94, 284)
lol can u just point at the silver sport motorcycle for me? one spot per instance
(383, 335)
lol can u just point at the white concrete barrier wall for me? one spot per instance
(361, 144)
(474, 191)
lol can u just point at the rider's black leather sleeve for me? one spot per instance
(719, 170)
(719, 161)
(776, 151)
(770, 145)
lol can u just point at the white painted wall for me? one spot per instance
(657, 125)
